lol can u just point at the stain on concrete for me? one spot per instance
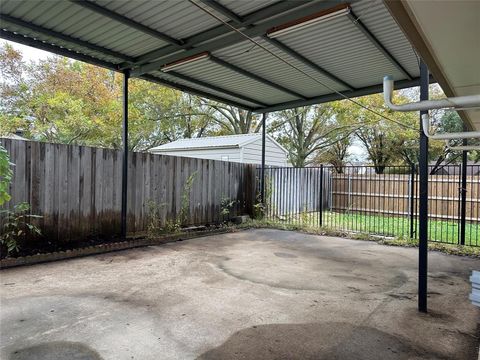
(56, 350)
(329, 340)
(285, 255)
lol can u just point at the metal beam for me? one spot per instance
(123, 220)
(127, 21)
(361, 26)
(7, 35)
(234, 38)
(223, 10)
(423, 199)
(215, 88)
(66, 38)
(255, 77)
(220, 30)
(402, 84)
(281, 46)
(194, 91)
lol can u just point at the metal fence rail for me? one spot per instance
(358, 199)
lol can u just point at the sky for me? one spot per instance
(30, 53)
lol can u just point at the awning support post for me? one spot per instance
(123, 220)
(262, 173)
(423, 199)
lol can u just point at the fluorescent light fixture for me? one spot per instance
(182, 62)
(308, 21)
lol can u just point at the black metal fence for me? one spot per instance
(381, 201)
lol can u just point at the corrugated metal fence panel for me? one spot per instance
(77, 189)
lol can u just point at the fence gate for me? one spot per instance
(382, 200)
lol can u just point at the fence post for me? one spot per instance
(463, 196)
(412, 201)
(349, 192)
(321, 196)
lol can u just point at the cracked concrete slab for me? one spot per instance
(256, 294)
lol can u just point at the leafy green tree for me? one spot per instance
(60, 100)
(231, 120)
(306, 131)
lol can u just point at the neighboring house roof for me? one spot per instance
(214, 142)
(13, 136)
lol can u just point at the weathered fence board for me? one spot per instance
(390, 195)
(77, 189)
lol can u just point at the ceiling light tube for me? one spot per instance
(308, 21)
(188, 60)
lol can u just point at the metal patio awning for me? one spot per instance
(346, 47)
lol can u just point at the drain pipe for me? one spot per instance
(447, 136)
(462, 147)
(472, 101)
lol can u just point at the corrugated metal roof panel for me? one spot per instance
(178, 19)
(211, 142)
(67, 45)
(220, 76)
(166, 76)
(378, 20)
(245, 7)
(341, 48)
(262, 63)
(83, 24)
(336, 45)
(215, 142)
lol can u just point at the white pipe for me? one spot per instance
(454, 102)
(447, 136)
(463, 147)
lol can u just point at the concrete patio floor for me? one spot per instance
(257, 294)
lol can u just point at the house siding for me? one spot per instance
(212, 154)
(250, 153)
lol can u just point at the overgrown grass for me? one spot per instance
(390, 226)
(464, 250)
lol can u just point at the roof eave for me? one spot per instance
(194, 148)
(407, 23)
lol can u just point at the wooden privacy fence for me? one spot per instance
(391, 194)
(77, 189)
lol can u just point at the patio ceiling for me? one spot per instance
(339, 47)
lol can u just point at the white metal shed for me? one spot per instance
(245, 148)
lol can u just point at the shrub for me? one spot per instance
(16, 226)
(5, 175)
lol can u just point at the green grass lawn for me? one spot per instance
(395, 226)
